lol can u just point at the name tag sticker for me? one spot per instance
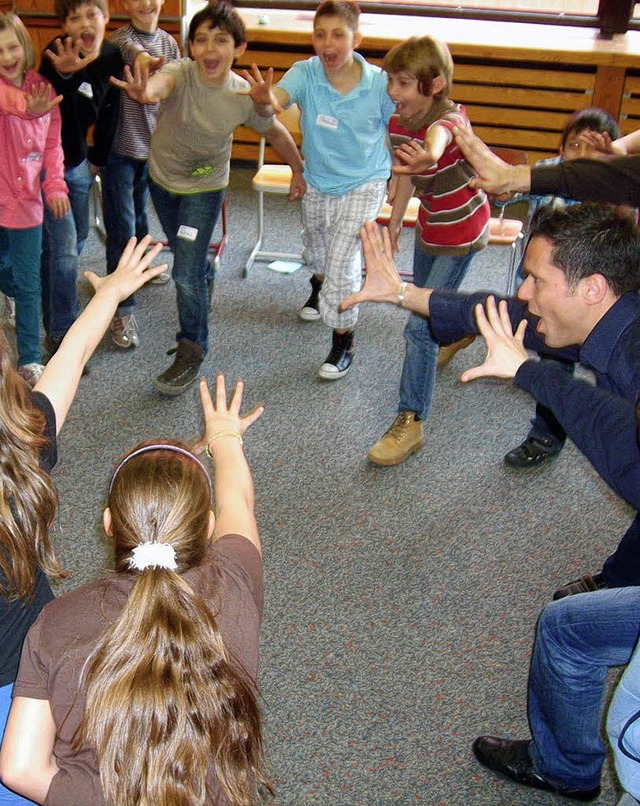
(86, 89)
(187, 233)
(327, 122)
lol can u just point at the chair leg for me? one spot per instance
(258, 245)
(514, 259)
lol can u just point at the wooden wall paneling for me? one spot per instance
(609, 88)
(630, 106)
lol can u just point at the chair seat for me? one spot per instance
(273, 179)
(504, 231)
(410, 217)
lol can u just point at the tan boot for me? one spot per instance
(448, 351)
(401, 440)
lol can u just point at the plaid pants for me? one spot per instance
(331, 238)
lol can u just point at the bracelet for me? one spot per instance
(235, 434)
(402, 292)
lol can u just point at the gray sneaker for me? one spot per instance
(124, 331)
(184, 370)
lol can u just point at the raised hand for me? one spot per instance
(414, 158)
(222, 418)
(67, 58)
(505, 349)
(602, 142)
(136, 84)
(261, 88)
(39, 100)
(133, 270)
(495, 176)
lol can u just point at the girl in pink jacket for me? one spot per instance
(31, 166)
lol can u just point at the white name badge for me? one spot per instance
(327, 122)
(187, 233)
(86, 89)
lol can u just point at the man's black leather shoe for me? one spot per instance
(511, 759)
(587, 583)
(531, 453)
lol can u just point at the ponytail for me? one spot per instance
(165, 706)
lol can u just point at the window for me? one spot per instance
(612, 16)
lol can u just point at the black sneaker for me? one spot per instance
(338, 362)
(184, 370)
(310, 311)
(531, 453)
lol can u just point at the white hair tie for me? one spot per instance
(153, 555)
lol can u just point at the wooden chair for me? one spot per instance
(272, 178)
(509, 231)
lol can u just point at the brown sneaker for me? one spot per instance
(447, 352)
(184, 370)
(401, 440)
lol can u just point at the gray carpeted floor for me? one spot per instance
(401, 602)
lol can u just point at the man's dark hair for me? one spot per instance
(592, 239)
(220, 15)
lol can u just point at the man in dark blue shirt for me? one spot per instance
(580, 298)
(578, 301)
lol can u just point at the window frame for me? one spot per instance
(495, 15)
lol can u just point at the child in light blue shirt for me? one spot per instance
(345, 109)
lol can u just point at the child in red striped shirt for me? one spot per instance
(453, 222)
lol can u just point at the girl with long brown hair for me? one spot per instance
(139, 689)
(29, 424)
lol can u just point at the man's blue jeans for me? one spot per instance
(188, 221)
(125, 188)
(421, 353)
(20, 279)
(62, 242)
(577, 639)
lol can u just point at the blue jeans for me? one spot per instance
(7, 797)
(20, 279)
(63, 240)
(577, 639)
(125, 186)
(188, 221)
(421, 354)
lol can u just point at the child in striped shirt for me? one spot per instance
(125, 181)
(453, 222)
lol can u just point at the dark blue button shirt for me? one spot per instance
(601, 419)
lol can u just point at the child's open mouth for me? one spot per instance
(88, 41)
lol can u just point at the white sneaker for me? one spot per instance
(124, 331)
(160, 279)
(10, 311)
(31, 373)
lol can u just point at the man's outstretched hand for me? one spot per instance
(505, 349)
(382, 280)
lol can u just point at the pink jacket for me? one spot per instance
(27, 146)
